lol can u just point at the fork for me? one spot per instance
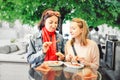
(74, 61)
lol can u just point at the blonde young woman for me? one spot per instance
(85, 50)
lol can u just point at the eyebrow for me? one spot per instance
(53, 21)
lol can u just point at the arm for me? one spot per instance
(34, 57)
(93, 60)
(95, 57)
(60, 47)
(61, 44)
(68, 56)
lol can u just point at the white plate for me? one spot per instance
(57, 68)
(71, 70)
(73, 65)
(53, 63)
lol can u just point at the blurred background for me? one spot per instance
(19, 20)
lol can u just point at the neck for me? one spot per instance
(49, 33)
(77, 40)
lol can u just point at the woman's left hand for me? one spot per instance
(85, 62)
(60, 56)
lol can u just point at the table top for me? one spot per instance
(61, 73)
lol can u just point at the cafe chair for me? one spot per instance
(99, 76)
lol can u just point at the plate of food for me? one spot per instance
(53, 63)
(71, 70)
(73, 65)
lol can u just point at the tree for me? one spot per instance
(95, 12)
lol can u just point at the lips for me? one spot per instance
(72, 34)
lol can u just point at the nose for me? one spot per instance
(54, 25)
(70, 31)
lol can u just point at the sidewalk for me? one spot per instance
(14, 71)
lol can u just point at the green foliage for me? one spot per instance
(95, 12)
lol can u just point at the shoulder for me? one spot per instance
(68, 43)
(59, 35)
(91, 42)
(36, 35)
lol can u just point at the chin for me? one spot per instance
(51, 30)
(72, 36)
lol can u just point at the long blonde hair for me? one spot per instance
(84, 34)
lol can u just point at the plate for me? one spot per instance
(53, 63)
(73, 65)
(71, 70)
(57, 68)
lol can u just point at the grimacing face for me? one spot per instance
(75, 30)
(51, 23)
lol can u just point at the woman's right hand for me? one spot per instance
(46, 46)
(60, 56)
(69, 57)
